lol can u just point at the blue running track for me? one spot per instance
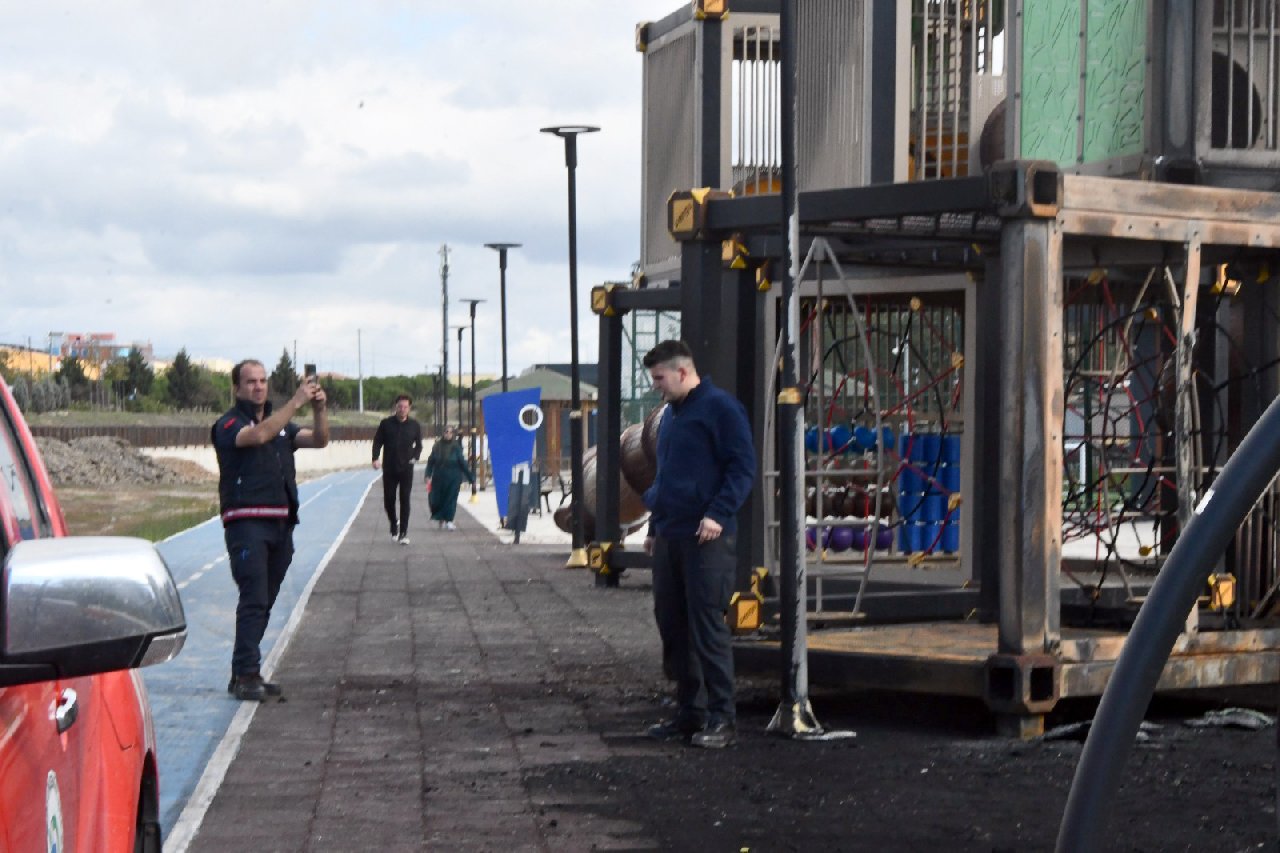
(189, 698)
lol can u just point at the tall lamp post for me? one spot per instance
(460, 330)
(501, 249)
(472, 303)
(570, 133)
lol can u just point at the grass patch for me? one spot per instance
(149, 513)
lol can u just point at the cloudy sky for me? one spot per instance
(235, 177)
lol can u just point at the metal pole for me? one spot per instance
(460, 329)
(473, 303)
(360, 369)
(794, 717)
(444, 334)
(501, 249)
(569, 133)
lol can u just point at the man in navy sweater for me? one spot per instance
(706, 465)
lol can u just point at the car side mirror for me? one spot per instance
(85, 605)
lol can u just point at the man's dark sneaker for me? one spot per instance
(715, 736)
(673, 729)
(252, 688)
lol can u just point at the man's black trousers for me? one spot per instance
(260, 551)
(393, 484)
(692, 585)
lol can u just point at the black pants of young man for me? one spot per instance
(692, 585)
(393, 484)
(260, 551)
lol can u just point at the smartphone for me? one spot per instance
(308, 371)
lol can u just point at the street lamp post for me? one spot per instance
(473, 303)
(501, 249)
(435, 400)
(570, 133)
(460, 329)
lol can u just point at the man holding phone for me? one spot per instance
(258, 502)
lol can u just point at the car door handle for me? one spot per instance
(67, 711)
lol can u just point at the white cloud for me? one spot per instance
(235, 177)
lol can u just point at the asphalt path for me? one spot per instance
(195, 718)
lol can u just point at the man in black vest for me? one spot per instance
(258, 498)
(399, 440)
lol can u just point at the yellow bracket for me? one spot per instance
(733, 252)
(1222, 591)
(789, 396)
(602, 300)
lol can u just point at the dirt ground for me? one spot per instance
(920, 773)
(929, 774)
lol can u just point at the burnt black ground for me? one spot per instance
(460, 694)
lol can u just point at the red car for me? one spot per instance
(77, 616)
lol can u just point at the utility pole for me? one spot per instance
(359, 371)
(444, 329)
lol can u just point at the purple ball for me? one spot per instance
(811, 538)
(858, 538)
(841, 539)
(884, 537)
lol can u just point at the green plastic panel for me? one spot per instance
(1050, 80)
(1115, 79)
(1115, 50)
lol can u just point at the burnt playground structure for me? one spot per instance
(1036, 310)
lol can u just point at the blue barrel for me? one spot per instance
(949, 478)
(909, 538)
(930, 451)
(951, 536)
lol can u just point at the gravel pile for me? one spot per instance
(103, 461)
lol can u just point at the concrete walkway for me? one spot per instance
(426, 683)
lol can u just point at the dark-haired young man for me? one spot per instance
(399, 441)
(706, 466)
(258, 500)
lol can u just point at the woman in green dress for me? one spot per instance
(446, 471)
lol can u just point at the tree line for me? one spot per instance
(131, 384)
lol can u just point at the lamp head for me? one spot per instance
(563, 130)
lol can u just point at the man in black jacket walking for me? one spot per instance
(399, 441)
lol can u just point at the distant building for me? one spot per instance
(587, 373)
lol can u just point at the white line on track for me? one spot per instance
(188, 823)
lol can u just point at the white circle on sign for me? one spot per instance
(530, 417)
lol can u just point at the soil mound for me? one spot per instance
(101, 461)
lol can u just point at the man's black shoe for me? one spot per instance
(715, 736)
(253, 688)
(672, 729)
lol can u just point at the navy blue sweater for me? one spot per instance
(706, 463)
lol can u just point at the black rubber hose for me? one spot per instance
(1128, 693)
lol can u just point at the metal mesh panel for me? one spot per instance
(756, 112)
(832, 87)
(957, 81)
(642, 333)
(939, 108)
(1244, 68)
(669, 140)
